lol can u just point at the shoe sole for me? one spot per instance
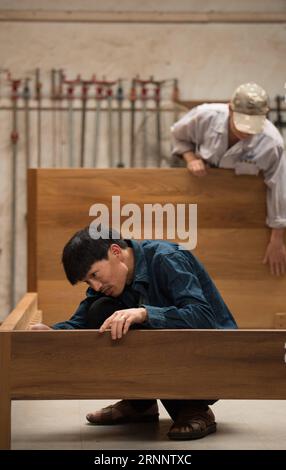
(124, 420)
(186, 436)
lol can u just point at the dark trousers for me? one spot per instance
(98, 312)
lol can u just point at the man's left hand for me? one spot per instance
(121, 320)
(275, 256)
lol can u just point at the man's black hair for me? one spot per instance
(82, 251)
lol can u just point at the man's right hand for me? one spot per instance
(195, 164)
(197, 167)
(40, 326)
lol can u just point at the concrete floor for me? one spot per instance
(50, 425)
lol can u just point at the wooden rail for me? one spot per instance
(209, 364)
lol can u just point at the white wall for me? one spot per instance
(209, 60)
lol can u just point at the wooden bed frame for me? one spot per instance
(249, 363)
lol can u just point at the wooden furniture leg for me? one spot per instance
(5, 396)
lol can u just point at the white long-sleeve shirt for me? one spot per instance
(204, 131)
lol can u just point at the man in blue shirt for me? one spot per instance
(152, 284)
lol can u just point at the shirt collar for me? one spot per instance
(221, 123)
(140, 269)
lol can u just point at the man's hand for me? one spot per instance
(275, 256)
(40, 326)
(121, 320)
(197, 167)
(195, 164)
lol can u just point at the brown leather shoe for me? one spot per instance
(121, 413)
(193, 424)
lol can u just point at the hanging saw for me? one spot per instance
(60, 76)
(38, 96)
(109, 97)
(144, 97)
(98, 99)
(132, 97)
(175, 99)
(84, 93)
(14, 142)
(120, 98)
(145, 84)
(70, 98)
(157, 98)
(26, 95)
(54, 117)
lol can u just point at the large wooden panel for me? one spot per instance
(232, 235)
(209, 364)
(227, 253)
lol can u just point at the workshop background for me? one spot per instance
(98, 84)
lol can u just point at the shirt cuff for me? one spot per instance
(156, 316)
(276, 223)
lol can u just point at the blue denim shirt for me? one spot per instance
(172, 285)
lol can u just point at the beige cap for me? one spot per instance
(250, 106)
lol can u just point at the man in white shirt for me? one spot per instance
(238, 136)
